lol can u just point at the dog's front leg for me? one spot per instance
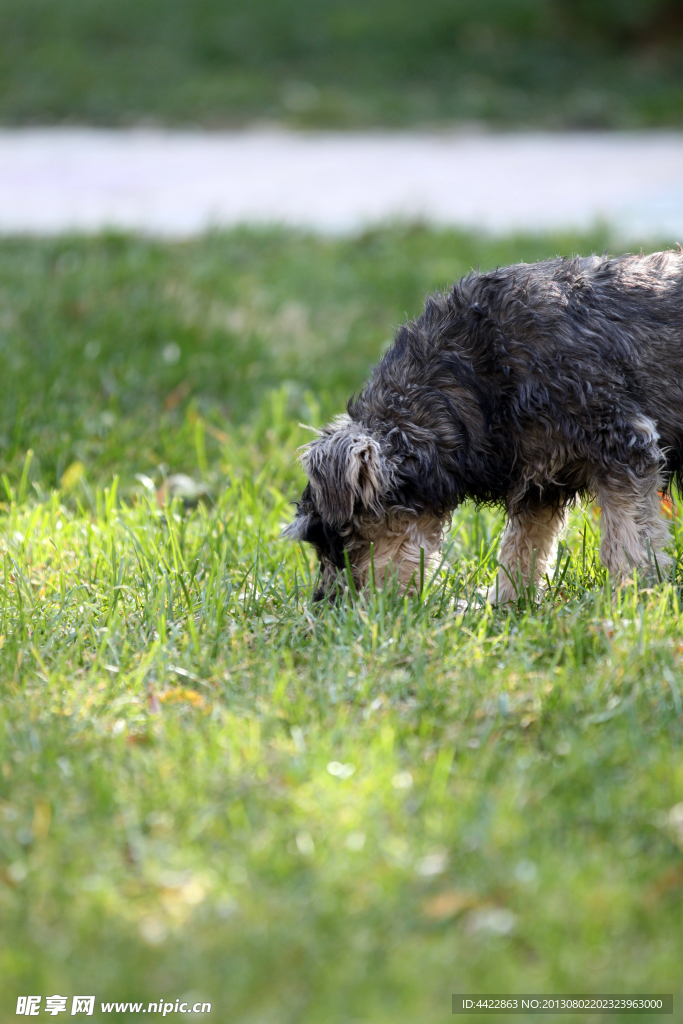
(528, 547)
(634, 533)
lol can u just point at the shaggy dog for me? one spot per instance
(528, 387)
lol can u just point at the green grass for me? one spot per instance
(342, 63)
(210, 785)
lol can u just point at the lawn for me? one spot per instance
(212, 789)
(342, 63)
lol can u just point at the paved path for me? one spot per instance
(180, 183)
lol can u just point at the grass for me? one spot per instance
(211, 788)
(342, 63)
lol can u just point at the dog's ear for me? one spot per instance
(345, 465)
(297, 529)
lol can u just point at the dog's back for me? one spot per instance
(557, 347)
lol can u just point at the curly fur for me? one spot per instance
(529, 387)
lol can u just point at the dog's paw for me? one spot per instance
(500, 593)
(504, 592)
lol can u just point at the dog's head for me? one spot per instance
(349, 509)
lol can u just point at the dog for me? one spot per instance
(529, 388)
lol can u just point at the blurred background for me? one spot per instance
(342, 63)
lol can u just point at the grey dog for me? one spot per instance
(529, 387)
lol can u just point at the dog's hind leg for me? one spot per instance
(528, 547)
(633, 530)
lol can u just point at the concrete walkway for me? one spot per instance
(180, 183)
